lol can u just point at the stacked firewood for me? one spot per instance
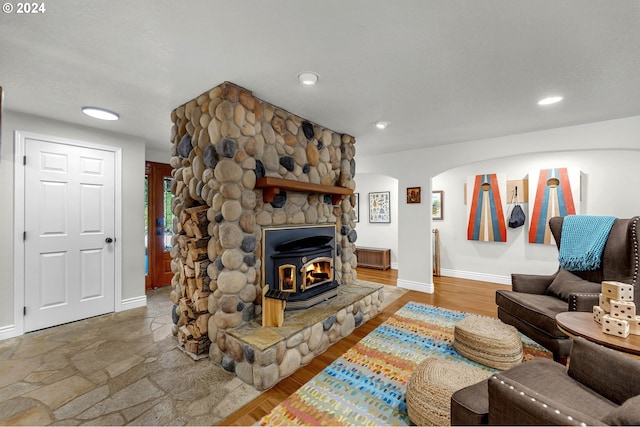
(193, 297)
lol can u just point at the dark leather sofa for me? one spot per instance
(600, 387)
(534, 301)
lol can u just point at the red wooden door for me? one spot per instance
(159, 225)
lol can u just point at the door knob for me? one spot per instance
(109, 240)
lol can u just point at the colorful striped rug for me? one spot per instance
(366, 385)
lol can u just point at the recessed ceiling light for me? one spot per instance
(308, 78)
(550, 100)
(100, 113)
(382, 124)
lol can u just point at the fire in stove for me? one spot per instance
(287, 278)
(317, 272)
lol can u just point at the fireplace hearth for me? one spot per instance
(300, 261)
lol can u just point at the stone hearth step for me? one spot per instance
(262, 356)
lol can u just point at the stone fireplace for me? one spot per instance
(262, 198)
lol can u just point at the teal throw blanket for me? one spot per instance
(582, 241)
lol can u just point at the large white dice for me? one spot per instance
(623, 309)
(613, 326)
(604, 303)
(598, 312)
(634, 326)
(617, 290)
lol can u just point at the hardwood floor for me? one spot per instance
(457, 294)
(388, 277)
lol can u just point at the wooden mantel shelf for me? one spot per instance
(272, 186)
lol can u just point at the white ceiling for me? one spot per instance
(441, 71)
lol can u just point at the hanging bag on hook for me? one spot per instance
(517, 217)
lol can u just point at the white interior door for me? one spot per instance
(69, 241)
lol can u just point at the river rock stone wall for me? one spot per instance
(222, 142)
(264, 366)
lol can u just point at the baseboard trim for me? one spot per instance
(415, 286)
(8, 331)
(394, 265)
(135, 302)
(482, 277)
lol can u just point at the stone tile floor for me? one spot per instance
(117, 369)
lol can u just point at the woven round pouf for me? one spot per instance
(488, 341)
(431, 385)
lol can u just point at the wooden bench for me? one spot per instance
(374, 258)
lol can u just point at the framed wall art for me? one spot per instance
(379, 207)
(413, 195)
(554, 192)
(485, 208)
(437, 200)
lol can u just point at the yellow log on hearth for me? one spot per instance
(272, 310)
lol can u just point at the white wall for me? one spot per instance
(158, 156)
(618, 140)
(495, 261)
(378, 235)
(132, 239)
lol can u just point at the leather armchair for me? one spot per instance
(601, 386)
(534, 300)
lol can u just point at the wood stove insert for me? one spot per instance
(300, 261)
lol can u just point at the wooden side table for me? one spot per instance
(576, 323)
(373, 257)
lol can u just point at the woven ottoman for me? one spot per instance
(431, 385)
(488, 341)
